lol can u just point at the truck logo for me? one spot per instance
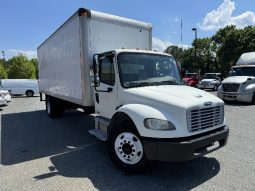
(208, 103)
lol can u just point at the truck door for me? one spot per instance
(106, 93)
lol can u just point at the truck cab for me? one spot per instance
(146, 113)
(240, 85)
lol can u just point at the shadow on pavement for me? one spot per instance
(31, 135)
(92, 162)
(76, 154)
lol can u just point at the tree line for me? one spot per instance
(217, 53)
(19, 67)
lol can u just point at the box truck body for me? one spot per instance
(66, 56)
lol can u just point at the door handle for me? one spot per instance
(109, 89)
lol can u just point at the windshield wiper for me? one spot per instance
(169, 82)
(141, 84)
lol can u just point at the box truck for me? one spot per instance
(142, 109)
(240, 85)
(26, 87)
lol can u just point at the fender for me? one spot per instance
(139, 112)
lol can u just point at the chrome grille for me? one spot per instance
(205, 83)
(230, 87)
(199, 119)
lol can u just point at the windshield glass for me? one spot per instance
(243, 71)
(210, 76)
(138, 69)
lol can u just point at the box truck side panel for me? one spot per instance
(60, 63)
(106, 36)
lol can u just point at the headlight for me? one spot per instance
(158, 124)
(213, 82)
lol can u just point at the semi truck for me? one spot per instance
(240, 85)
(142, 110)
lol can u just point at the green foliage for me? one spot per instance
(3, 73)
(21, 68)
(34, 61)
(218, 53)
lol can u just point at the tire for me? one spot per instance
(126, 149)
(29, 93)
(215, 88)
(53, 107)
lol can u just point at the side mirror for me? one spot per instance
(95, 69)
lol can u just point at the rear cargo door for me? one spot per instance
(106, 93)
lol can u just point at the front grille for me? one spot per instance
(205, 83)
(230, 87)
(199, 119)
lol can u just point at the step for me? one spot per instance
(99, 134)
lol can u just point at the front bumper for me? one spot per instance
(3, 102)
(228, 96)
(183, 149)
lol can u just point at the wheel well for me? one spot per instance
(121, 118)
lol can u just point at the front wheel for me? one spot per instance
(215, 88)
(126, 149)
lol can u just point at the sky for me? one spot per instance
(25, 24)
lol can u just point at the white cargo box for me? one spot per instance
(65, 57)
(246, 59)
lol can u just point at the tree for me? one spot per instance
(21, 68)
(34, 61)
(3, 73)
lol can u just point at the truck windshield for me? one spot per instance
(210, 76)
(141, 69)
(242, 71)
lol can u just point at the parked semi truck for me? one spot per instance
(142, 110)
(240, 85)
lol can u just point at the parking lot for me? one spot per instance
(38, 153)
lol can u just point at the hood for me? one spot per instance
(187, 78)
(165, 95)
(237, 79)
(208, 80)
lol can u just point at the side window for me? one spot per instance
(106, 72)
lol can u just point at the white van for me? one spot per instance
(20, 86)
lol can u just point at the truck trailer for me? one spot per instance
(105, 63)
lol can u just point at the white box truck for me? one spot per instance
(142, 109)
(240, 85)
(27, 87)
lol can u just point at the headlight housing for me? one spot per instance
(159, 124)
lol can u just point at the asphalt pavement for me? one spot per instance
(38, 153)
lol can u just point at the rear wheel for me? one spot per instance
(54, 107)
(29, 93)
(126, 148)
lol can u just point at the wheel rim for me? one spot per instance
(48, 107)
(29, 94)
(128, 148)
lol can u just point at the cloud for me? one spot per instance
(160, 45)
(222, 16)
(14, 52)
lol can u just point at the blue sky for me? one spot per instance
(26, 24)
